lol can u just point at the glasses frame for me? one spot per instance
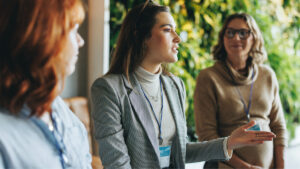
(239, 31)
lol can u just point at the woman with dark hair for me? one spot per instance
(39, 46)
(138, 106)
(238, 89)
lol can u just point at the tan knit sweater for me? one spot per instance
(219, 109)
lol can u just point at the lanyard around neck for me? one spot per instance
(247, 109)
(161, 111)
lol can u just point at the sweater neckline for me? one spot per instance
(145, 76)
(234, 76)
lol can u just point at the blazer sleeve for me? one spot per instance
(205, 151)
(109, 131)
(200, 151)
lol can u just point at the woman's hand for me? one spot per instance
(240, 137)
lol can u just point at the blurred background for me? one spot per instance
(198, 24)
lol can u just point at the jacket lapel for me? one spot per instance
(175, 106)
(140, 107)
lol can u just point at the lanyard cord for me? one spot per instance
(246, 109)
(161, 111)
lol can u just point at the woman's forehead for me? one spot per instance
(165, 19)
(238, 23)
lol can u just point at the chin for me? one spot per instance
(173, 59)
(70, 70)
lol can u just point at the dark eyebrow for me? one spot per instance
(163, 25)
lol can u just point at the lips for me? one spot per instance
(236, 46)
(175, 49)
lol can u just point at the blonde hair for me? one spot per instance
(257, 52)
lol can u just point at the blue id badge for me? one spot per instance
(256, 127)
(164, 159)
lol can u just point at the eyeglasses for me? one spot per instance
(243, 33)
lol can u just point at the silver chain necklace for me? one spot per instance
(153, 97)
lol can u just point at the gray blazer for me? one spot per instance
(125, 132)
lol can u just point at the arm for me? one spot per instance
(205, 107)
(279, 156)
(278, 126)
(108, 127)
(205, 151)
(202, 151)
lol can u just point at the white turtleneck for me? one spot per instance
(150, 83)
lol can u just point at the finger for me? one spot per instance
(255, 142)
(267, 137)
(263, 139)
(264, 133)
(258, 142)
(248, 125)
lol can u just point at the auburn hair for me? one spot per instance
(33, 34)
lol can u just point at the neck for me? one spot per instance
(238, 65)
(153, 68)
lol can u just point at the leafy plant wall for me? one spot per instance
(198, 24)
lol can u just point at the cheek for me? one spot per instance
(225, 41)
(249, 45)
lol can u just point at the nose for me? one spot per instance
(177, 38)
(80, 40)
(236, 36)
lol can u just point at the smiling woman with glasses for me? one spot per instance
(243, 33)
(239, 88)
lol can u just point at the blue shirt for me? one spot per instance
(24, 144)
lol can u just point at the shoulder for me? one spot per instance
(61, 109)
(110, 79)
(7, 121)
(266, 69)
(13, 127)
(107, 88)
(267, 72)
(175, 80)
(207, 76)
(208, 72)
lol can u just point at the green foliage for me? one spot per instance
(198, 24)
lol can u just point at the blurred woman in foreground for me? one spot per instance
(39, 46)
